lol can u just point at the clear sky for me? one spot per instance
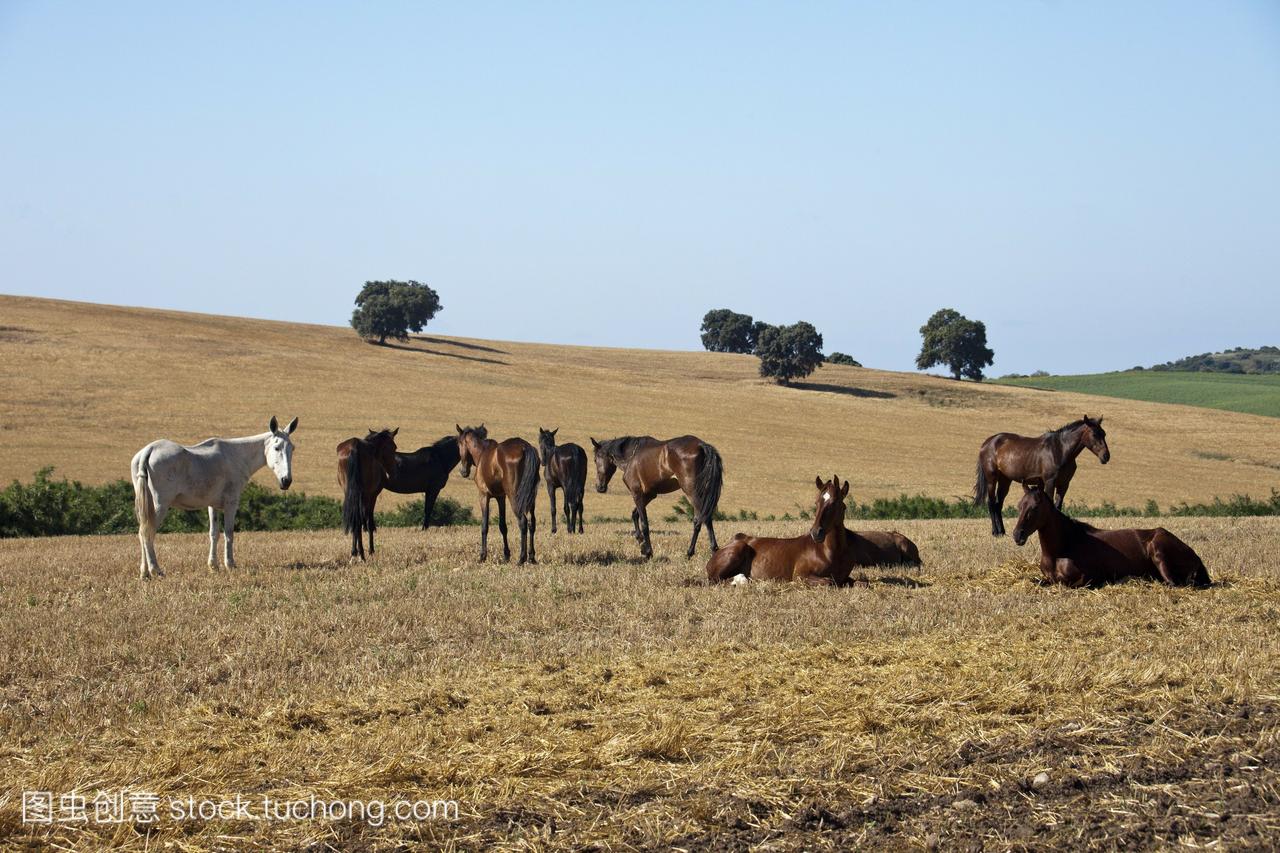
(1098, 182)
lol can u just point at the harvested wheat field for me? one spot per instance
(595, 701)
(98, 382)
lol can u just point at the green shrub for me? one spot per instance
(49, 507)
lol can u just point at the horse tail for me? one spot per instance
(353, 511)
(143, 506)
(527, 487)
(577, 484)
(707, 484)
(980, 487)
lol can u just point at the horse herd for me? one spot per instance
(213, 474)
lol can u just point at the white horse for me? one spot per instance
(211, 474)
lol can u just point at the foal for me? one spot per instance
(819, 557)
(566, 468)
(507, 469)
(1073, 553)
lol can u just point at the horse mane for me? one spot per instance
(377, 435)
(445, 440)
(619, 448)
(1073, 529)
(1063, 430)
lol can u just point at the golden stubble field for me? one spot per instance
(87, 385)
(598, 701)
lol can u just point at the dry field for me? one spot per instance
(87, 385)
(596, 701)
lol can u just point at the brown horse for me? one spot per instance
(880, 548)
(566, 468)
(507, 469)
(1073, 553)
(651, 467)
(819, 557)
(1051, 459)
(364, 464)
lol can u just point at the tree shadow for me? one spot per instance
(460, 344)
(426, 351)
(843, 389)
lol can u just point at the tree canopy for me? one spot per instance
(393, 309)
(728, 331)
(951, 339)
(789, 352)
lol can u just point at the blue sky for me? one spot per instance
(1098, 182)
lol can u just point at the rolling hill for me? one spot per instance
(86, 385)
(1255, 394)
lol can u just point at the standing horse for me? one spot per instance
(212, 474)
(566, 468)
(364, 465)
(820, 557)
(425, 470)
(1073, 553)
(651, 467)
(1051, 459)
(502, 469)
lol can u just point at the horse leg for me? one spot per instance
(1062, 494)
(213, 538)
(484, 529)
(370, 524)
(635, 523)
(228, 532)
(646, 547)
(994, 507)
(502, 528)
(153, 564)
(428, 505)
(693, 542)
(551, 501)
(711, 535)
(1002, 492)
(533, 527)
(729, 561)
(577, 508)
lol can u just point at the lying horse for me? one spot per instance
(651, 467)
(880, 548)
(566, 468)
(425, 470)
(1073, 553)
(819, 557)
(1050, 458)
(364, 466)
(507, 469)
(213, 473)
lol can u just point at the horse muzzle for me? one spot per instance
(1019, 538)
(601, 489)
(1105, 457)
(816, 534)
(285, 483)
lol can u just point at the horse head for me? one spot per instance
(469, 439)
(605, 464)
(1095, 438)
(829, 510)
(279, 451)
(1033, 511)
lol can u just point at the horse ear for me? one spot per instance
(459, 429)
(844, 492)
(274, 425)
(1099, 420)
(394, 431)
(817, 481)
(595, 443)
(554, 431)
(293, 424)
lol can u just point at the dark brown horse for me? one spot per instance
(651, 467)
(1073, 553)
(819, 557)
(364, 464)
(565, 468)
(425, 470)
(506, 469)
(1050, 459)
(880, 548)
